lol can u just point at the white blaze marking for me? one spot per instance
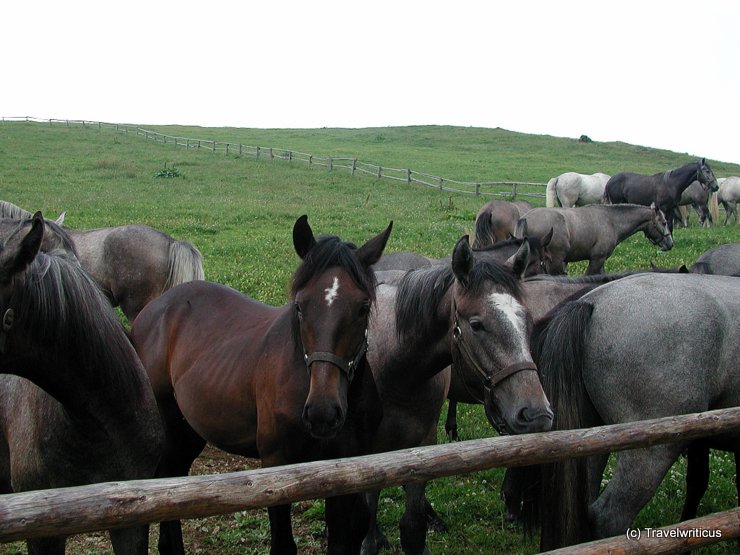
(513, 311)
(332, 292)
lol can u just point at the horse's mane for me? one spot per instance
(57, 305)
(421, 291)
(419, 295)
(330, 251)
(10, 210)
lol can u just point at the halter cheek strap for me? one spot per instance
(7, 325)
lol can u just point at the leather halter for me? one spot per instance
(346, 366)
(7, 325)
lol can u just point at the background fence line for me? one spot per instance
(505, 189)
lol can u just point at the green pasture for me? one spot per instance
(239, 212)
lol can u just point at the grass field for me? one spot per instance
(239, 212)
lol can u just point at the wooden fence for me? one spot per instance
(505, 189)
(102, 506)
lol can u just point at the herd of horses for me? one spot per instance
(363, 356)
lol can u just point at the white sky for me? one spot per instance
(664, 74)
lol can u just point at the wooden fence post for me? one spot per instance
(354, 166)
(408, 176)
(380, 171)
(477, 189)
(330, 163)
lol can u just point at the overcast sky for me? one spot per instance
(663, 74)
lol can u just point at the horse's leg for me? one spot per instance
(46, 546)
(413, 525)
(130, 541)
(595, 265)
(281, 531)
(637, 476)
(434, 521)
(596, 466)
(347, 520)
(182, 448)
(374, 539)
(451, 421)
(697, 478)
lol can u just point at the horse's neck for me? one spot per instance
(680, 178)
(626, 220)
(93, 406)
(415, 357)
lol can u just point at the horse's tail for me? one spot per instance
(714, 206)
(551, 196)
(564, 496)
(185, 264)
(483, 231)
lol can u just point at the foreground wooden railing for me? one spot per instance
(109, 505)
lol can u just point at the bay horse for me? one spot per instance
(729, 195)
(538, 261)
(664, 189)
(496, 221)
(76, 406)
(132, 264)
(575, 189)
(592, 232)
(468, 312)
(284, 384)
(628, 351)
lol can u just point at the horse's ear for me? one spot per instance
(370, 252)
(303, 239)
(462, 260)
(520, 231)
(17, 256)
(519, 261)
(548, 237)
(60, 220)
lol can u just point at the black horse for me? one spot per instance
(664, 189)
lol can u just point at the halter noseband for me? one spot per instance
(346, 366)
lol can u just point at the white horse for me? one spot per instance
(729, 195)
(575, 189)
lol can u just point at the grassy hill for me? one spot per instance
(239, 212)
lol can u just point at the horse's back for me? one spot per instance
(670, 357)
(722, 260)
(729, 189)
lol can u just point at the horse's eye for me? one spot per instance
(364, 308)
(476, 325)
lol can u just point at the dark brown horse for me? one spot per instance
(286, 384)
(76, 406)
(664, 189)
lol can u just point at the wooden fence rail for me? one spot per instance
(101, 506)
(505, 189)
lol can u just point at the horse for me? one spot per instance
(285, 384)
(468, 312)
(722, 260)
(664, 189)
(592, 232)
(542, 293)
(538, 261)
(630, 351)
(132, 264)
(76, 406)
(496, 221)
(729, 195)
(575, 189)
(703, 202)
